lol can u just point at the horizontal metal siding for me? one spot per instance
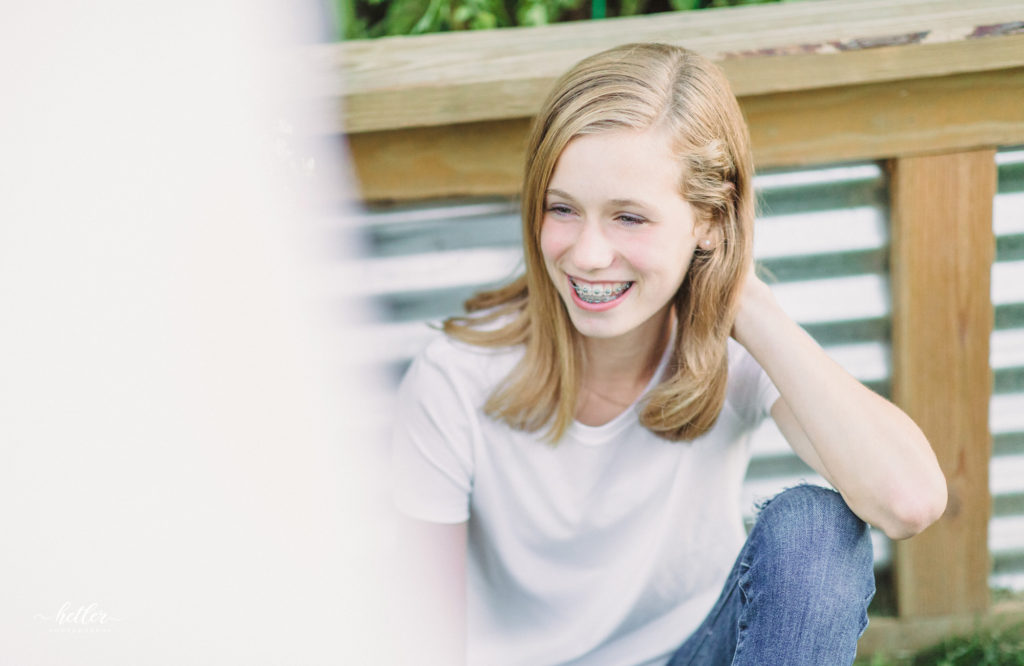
(1006, 415)
(822, 234)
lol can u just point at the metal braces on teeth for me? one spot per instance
(598, 294)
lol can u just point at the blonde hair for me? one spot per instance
(636, 86)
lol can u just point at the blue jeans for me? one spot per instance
(799, 591)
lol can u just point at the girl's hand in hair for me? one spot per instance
(755, 296)
(865, 446)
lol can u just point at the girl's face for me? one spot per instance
(616, 236)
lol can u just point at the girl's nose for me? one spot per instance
(592, 251)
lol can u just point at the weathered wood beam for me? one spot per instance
(457, 78)
(901, 637)
(942, 252)
(432, 162)
(876, 121)
(870, 121)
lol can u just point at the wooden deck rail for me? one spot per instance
(931, 86)
(441, 115)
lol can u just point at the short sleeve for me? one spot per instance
(751, 390)
(431, 446)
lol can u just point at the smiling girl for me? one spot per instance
(571, 453)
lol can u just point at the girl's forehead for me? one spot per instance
(619, 163)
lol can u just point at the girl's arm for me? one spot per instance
(429, 601)
(866, 447)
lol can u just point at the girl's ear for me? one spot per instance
(709, 236)
(709, 223)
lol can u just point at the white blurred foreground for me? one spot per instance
(183, 478)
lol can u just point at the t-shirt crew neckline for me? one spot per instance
(606, 432)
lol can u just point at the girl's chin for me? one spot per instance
(614, 323)
(598, 326)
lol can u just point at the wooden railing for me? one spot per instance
(931, 87)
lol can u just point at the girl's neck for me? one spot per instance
(634, 355)
(616, 371)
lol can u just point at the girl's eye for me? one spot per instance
(631, 220)
(559, 209)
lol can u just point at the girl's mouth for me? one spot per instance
(599, 293)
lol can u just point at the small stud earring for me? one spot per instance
(706, 244)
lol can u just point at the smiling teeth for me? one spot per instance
(600, 293)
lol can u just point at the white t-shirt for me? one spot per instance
(608, 549)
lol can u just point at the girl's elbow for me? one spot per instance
(914, 511)
(920, 500)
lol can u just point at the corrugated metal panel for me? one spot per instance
(822, 235)
(1006, 416)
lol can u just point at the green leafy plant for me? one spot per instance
(984, 648)
(377, 18)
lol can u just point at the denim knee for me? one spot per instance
(815, 545)
(805, 579)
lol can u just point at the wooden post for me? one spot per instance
(942, 252)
